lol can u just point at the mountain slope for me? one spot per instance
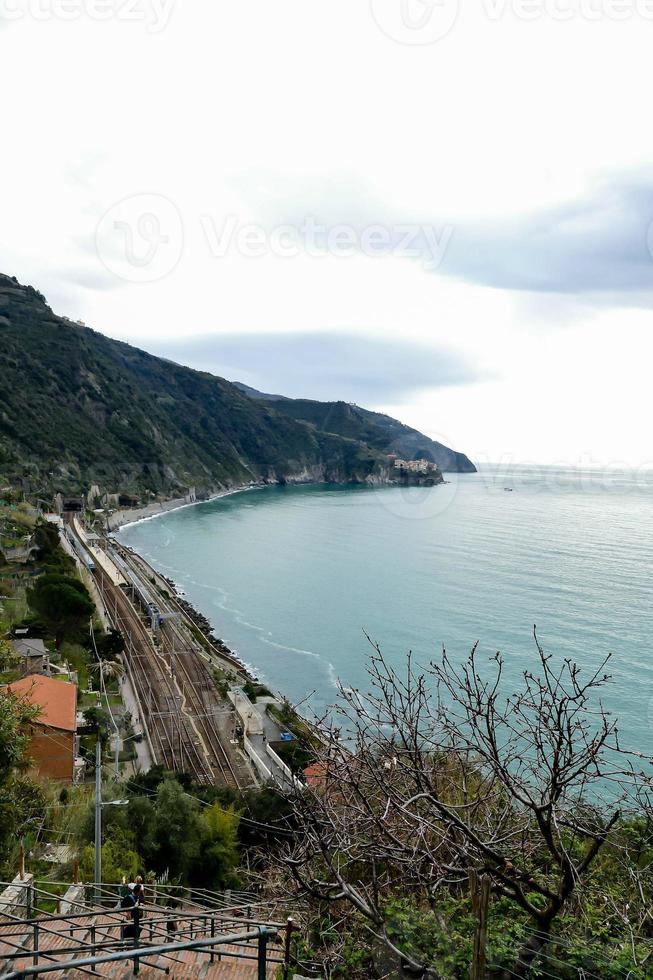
(78, 408)
(376, 430)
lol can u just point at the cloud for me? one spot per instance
(323, 366)
(90, 278)
(597, 246)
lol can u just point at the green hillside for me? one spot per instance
(78, 408)
(378, 431)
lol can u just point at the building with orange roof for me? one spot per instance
(316, 775)
(53, 731)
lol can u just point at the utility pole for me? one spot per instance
(98, 818)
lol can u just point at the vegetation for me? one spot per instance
(254, 690)
(378, 431)
(166, 826)
(80, 409)
(62, 603)
(447, 787)
(21, 801)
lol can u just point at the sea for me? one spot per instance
(298, 580)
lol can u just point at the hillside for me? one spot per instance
(78, 408)
(376, 430)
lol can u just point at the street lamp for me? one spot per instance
(99, 803)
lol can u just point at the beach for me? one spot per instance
(133, 515)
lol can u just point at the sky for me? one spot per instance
(437, 211)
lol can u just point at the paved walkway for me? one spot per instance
(143, 761)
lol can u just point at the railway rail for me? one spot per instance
(171, 677)
(174, 739)
(196, 682)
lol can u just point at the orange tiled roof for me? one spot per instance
(316, 773)
(56, 699)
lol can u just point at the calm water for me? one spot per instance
(290, 577)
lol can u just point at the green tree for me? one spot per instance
(116, 862)
(62, 602)
(50, 554)
(218, 857)
(8, 659)
(141, 819)
(98, 720)
(110, 644)
(17, 801)
(178, 829)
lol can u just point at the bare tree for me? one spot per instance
(438, 771)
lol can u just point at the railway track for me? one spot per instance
(195, 678)
(200, 690)
(175, 741)
(172, 680)
(192, 670)
(174, 684)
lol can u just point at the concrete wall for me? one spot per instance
(288, 773)
(18, 898)
(259, 763)
(72, 900)
(247, 712)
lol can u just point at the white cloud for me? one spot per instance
(267, 110)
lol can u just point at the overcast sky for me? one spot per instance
(439, 213)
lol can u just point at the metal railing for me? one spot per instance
(151, 922)
(210, 945)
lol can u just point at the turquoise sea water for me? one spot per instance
(290, 577)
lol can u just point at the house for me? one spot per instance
(53, 732)
(34, 655)
(315, 775)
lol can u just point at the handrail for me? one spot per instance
(139, 952)
(242, 895)
(98, 935)
(24, 952)
(161, 914)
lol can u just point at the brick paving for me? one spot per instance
(183, 963)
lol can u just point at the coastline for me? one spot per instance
(200, 621)
(134, 515)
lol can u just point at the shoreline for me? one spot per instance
(125, 517)
(200, 621)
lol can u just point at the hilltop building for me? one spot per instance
(415, 465)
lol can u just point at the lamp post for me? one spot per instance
(98, 817)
